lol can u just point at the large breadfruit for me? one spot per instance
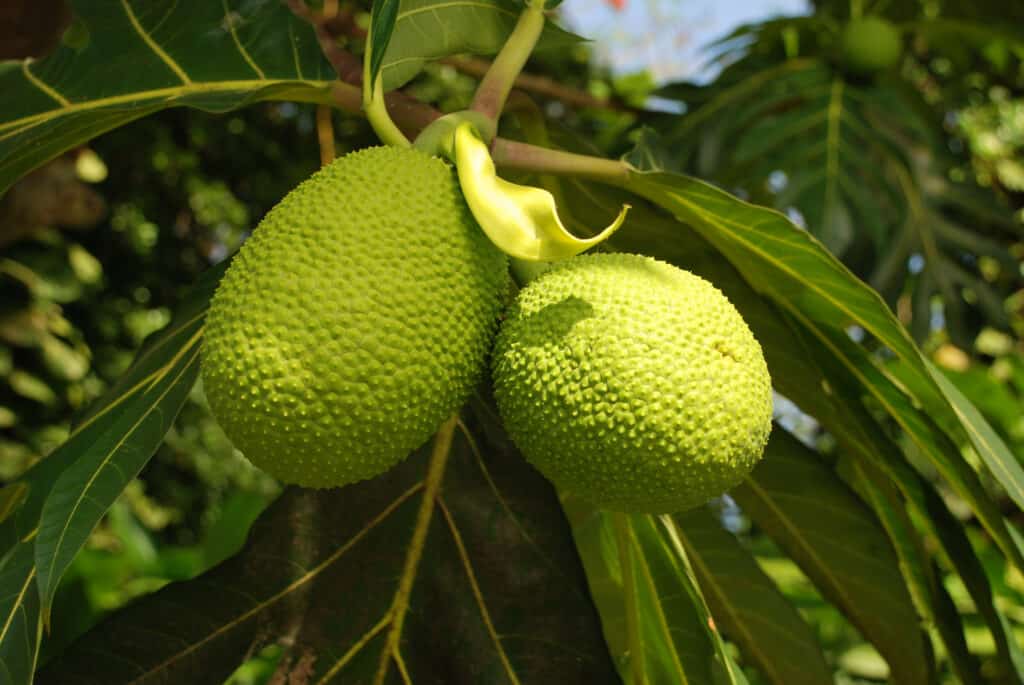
(357, 317)
(632, 384)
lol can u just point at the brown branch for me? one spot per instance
(542, 85)
(347, 66)
(411, 115)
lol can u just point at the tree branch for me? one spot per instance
(412, 116)
(542, 85)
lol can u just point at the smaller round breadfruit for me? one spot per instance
(632, 384)
(871, 45)
(354, 321)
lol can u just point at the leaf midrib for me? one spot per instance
(751, 643)
(195, 87)
(291, 587)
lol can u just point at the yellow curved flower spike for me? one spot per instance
(521, 220)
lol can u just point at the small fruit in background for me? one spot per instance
(870, 45)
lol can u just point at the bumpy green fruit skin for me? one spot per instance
(871, 45)
(632, 384)
(357, 317)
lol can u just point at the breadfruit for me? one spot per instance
(356, 318)
(870, 45)
(632, 384)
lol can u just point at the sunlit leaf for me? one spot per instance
(125, 404)
(922, 576)
(790, 267)
(104, 466)
(20, 624)
(838, 543)
(118, 437)
(990, 446)
(837, 404)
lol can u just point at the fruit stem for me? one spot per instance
(624, 542)
(374, 105)
(523, 270)
(511, 154)
(493, 90)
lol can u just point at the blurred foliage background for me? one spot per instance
(97, 247)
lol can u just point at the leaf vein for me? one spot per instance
(153, 45)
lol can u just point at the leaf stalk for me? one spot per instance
(493, 90)
(374, 105)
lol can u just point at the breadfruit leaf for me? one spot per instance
(674, 641)
(114, 440)
(747, 606)
(121, 430)
(382, 25)
(823, 385)
(473, 563)
(837, 541)
(791, 268)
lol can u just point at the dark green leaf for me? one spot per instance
(837, 541)
(836, 403)
(654, 588)
(430, 29)
(12, 496)
(146, 55)
(790, 267)
(492, 594)
(923, 580)
(20, 624)
(864, 162)
(382, 24)
(748, 607)
(990, 447)
(102, 468)
(960, 31)
(119, 406)
(117, 437)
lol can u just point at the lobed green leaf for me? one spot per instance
(142, 56)
(493, 592)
